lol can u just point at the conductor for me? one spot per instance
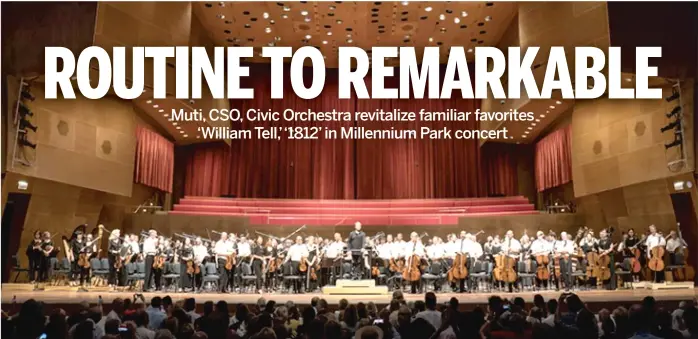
(357, 239)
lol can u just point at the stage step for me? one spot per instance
(672, 285)
(355, 287)
(367, 283)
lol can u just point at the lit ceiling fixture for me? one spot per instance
(220, 16)
(339, 22)
(542, 115)
(324, 42)
(443, 29)
(149, 102)
(537, 120)
(349, 36)
(527, 132)
(165, 115)
(287, 9)
(268, 29)
(277, 38)
(442, 17)
(265, 15)
(307, 37)
(162, 110)
(456, 20)
(488, 18)
(431, 39)
(185, 135)
(284, 16)
(332, 8)
(558, 102)
(470, 50)
(530, 128)
(307, 19)
(174, 124)
(533, 124)
(178, 127)
(304, 13)
(349, 41)
(405, 3)
(552, 107)
(464, 14)
(428, 9)
(155, 106)
(182, 132)
(628, 79)
(329, 33)
(523, 136)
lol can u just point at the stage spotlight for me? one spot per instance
(24, 124)
(26, 94)
(24, 142)
(671, 125)
(678, 139)
(673, 112)
(24, 110)
(673, 96)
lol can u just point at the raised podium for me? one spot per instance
(355, 287)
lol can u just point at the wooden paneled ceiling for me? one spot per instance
(329, 25)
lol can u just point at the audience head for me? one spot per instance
(430, 300)
(156, 302)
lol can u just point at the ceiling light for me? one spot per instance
(523, 136)
(533, 124)
(165, 115)
(558, 102)
(284, 16)
(304, 13)
(526, 132)
(307, 37)
(177, 127)
(407, 36)
(149, 102)
(464, 14)
(530, 128)
(443, 29)
(174, 124)
(329, 33)
(339, 22)
(332, 8)
(552, 107)
(287, 9)
(542, 115)
(628, 79)
(456, 20)
(488, 18)
(155, 106)
(350, 41)
(428, 9)
(537, 120)
(198, 137)
(185, 135)
(547, 111)
(162, 110)
(405, 3)
(470, 50)
(277, 38)
(324, 42)
(265, 15)
(220, 16)
(268, 29)
(431, 39)
(349, 36)
(182, 132)
(442, 17)
(307, 19)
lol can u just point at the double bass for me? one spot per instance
(542, 272)
(684, 272)
(458, 270)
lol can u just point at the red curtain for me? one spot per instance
(337, 168)
(499, 163)
(154, 159)
(554, 159)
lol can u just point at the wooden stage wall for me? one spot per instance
(170, 224)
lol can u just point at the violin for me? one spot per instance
(231, 261)
(459, 270)
(84, 260)
(159, 262)
(118, 264)
(303, 266)
(412, 272)
(375, 272)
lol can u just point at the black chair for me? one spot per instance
(16, 268)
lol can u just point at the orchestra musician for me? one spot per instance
(34, 255)
(150, 249)
(125, 256)
(223, 249)
(313, 254)
(76, 245)
(541, 247)
(88, 249)
(333, 252)
(186, 257)
(674, 243)
(113, 253)
(200, 252)
(244, 253)
(356, 242)
(435, 253)
(259, 254)
(606, 247)
(293, 259)
(563, 248)
(511, 247)
(655, 239)
(414, 247)
(47, 252)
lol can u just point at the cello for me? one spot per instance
(542, 272)
(458, 270)
(411, 271)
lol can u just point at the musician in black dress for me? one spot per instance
(47, 252)
(88, 249)
(186, 258)
(34, 255)
(113, 256)
(258, 254)
(126, 256)
(357, 240)
(76, 245)
(630, 243)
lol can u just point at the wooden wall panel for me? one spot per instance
(617, 143)
(81, 142)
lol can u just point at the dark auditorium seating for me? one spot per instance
(345, 212)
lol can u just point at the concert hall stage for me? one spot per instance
(69, 298)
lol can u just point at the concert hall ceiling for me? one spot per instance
(329, 25)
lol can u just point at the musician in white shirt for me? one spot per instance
(474, 250)
(511, 246)
(436, 250)
(540, 246)
(563, 248)
(451, 248)
(135, 247)
(200, 252)
(333, 251)
(293, 259)
(150, 248)
(398, 247)
(413, 248)
(223, 249)
(653, 240)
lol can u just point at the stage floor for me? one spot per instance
(66, 296)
